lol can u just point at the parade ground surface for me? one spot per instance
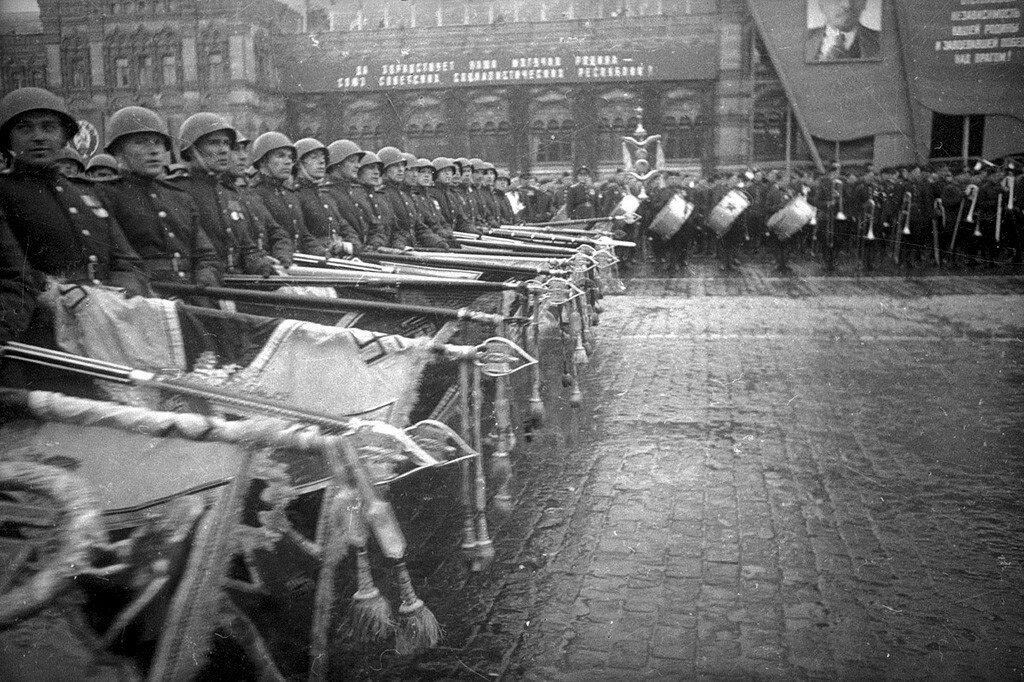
(782, 478)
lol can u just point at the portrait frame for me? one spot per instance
(865, 26)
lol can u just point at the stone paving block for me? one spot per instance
(630, 655)
(676, 643)
(680, 567)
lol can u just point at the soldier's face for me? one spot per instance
(426, 177)
(142, 154)
(467, 176)
(446, 175)
(239, 159)
(369, 175)
(349, 167)
(487, 179)
(395, 172)
(278, 164)
(101, 173)
(315, 164)
(502, 184)
(67, 168)
(215, 150)
(37, 137)
(842, 14)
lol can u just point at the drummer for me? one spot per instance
(779, 194)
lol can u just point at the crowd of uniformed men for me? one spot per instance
(130, 216)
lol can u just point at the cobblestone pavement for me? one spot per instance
(773, 478)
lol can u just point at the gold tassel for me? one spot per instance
(418, 629)
(369, 618)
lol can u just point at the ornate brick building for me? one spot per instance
(544, 84)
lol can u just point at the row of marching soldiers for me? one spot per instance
(146, 225)
(902, 217)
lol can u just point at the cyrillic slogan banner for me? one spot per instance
(965, 56)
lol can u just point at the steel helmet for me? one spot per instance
(475, 163)
(69, 154)
(389, 156)
(339, 150)
(420, 164)
(442, 162)
(462, 163)
(307, 145)
(102, 161)
(410, 159)
(268, 142)
(240, 139)
(487, 166)
(503, 175)
(369, 159)
(131, 120)
(22, 101)
(204, 123)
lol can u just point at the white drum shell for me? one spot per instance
(671, 217)
(727, 211)
(792, 217)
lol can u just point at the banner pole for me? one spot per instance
(789, 142)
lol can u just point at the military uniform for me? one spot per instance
(325, 226)
(538, 206)
(581, 201)
(66, 231)
(352, 202)
(227, 221)
(17, 287)
(288, 228)
(409, 229)
(162, 225)
(430, 213)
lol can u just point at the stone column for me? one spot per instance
(96, 62)
(584, 109)
(453, 104)
(53, 70)
(519, 124)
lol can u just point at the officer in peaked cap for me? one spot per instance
(160, 219)
(61, 224)
(102, 166)
(329, 233)
(581, 197)
(207, 148)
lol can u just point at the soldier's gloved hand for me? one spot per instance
(207, 278)
(340, 247)
(266, 268)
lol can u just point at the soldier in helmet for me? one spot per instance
(102, 167)
(69, 163)
(502, 182)
(265, 231)
(160, 219)
(274, 157)
(61, 224)
(381, 220)
(486, 198)
(462, 184)
(453, 213)
(329, 233)
(429, 208)
(411, 230)
(207, 142)
(343, 159)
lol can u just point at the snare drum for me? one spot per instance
(671, 217)
(789, 219)
(725, 213)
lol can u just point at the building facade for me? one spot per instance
(541, 84)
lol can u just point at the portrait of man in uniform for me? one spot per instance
(843, 30)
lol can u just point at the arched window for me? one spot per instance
(168, 53)
(768, 127)
(75, 63)
(213, 50)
